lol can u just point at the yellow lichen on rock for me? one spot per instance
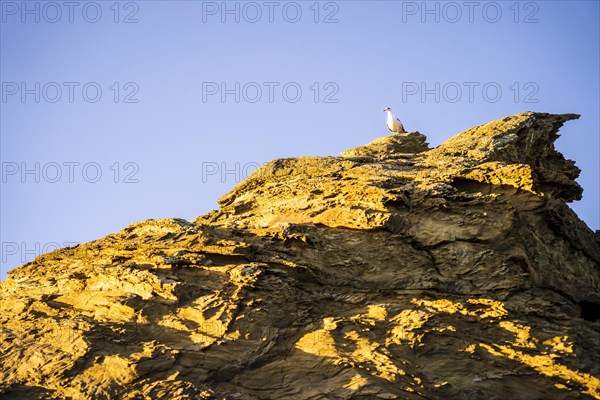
(522, 334)
(406, 328)
(547, 366)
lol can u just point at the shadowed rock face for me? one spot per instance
(391, 272)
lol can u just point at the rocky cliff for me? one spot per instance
(393, 271)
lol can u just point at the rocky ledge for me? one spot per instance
(393, 271)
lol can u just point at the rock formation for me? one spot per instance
(393, 271)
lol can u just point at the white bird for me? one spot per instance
(393, 123)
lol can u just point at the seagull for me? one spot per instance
(393, 123)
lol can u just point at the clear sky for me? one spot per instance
(115, 112)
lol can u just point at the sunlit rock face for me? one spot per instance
(393, 271)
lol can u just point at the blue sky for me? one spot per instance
(124, 111)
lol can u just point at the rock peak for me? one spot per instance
(388, 146)
(361, 188)
(525, 141)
